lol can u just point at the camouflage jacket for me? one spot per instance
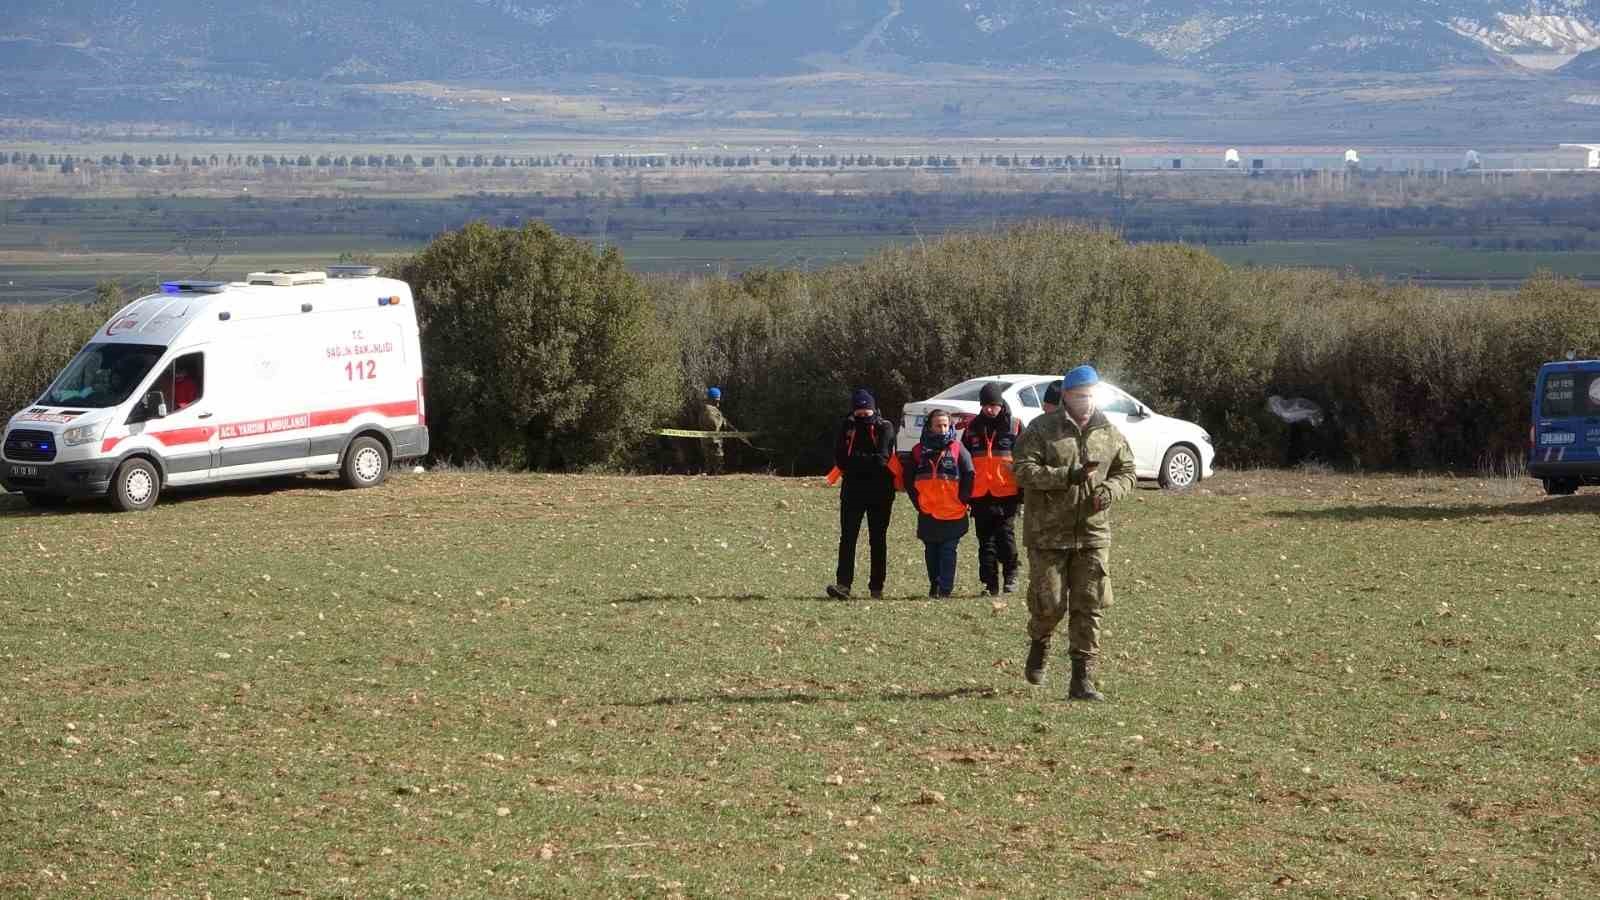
(1059, 505)
(711, 419)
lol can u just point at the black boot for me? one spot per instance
(1010, 585)
(1038, 654)
(1082, 687)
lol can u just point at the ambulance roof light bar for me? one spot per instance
(193, 287)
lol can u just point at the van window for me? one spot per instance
(102, 375)
(182, 384)
(1567, 394)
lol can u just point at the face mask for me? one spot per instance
(1080, 408)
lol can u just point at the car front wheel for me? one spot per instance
(1180, 468)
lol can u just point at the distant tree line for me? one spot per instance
(67, 163)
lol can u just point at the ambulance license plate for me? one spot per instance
(24, 471)
(1558, 437)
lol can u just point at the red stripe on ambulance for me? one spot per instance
(178, 437)
(341, 416)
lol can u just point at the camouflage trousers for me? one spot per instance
(1068, 584)
(715, 457)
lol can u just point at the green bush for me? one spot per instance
(1408, 377)
(37, 342)
(542, 352)
(538, 350)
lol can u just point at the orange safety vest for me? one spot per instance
(938, 494)
(896, 471)
(992, 473)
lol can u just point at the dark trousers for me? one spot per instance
(941, 559)
(997, 541)
(876, 509)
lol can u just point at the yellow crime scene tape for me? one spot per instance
(741, 436)
(686, 433)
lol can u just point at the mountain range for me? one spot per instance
(395, 40)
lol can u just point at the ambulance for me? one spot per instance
(283, 373)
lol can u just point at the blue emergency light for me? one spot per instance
(187, 287)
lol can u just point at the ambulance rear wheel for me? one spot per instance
(136, 486)
(366, 464)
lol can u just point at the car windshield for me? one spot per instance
(102, 375)
(1111, 399)
(969, 390)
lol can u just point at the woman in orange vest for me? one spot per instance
(989, 439)
(939, 480)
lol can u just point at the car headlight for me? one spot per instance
(84, 434)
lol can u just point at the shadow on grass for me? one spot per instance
(252, 488)
(1548, 506)
(809, 698)
(818, 597)
(18, 506)
(691, 598)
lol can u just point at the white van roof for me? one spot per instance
(191, 309)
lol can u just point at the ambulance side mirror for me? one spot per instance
(155, 405)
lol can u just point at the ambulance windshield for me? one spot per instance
(102, 375)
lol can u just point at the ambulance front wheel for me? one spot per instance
(366, 463)
(136, 486)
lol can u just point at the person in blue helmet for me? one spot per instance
(712, 419)
(1073, 465)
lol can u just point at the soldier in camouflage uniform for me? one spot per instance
(712, 419)
(1072, 465)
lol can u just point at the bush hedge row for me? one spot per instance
(544, 353)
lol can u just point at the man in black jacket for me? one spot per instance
(863, 452)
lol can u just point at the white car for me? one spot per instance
(1172, 451)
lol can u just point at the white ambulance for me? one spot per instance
(283, 373)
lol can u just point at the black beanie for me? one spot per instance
(992, 393)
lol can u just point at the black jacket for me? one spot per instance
(862, 450)
(1004, 431)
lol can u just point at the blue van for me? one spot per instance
(1565, 451)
